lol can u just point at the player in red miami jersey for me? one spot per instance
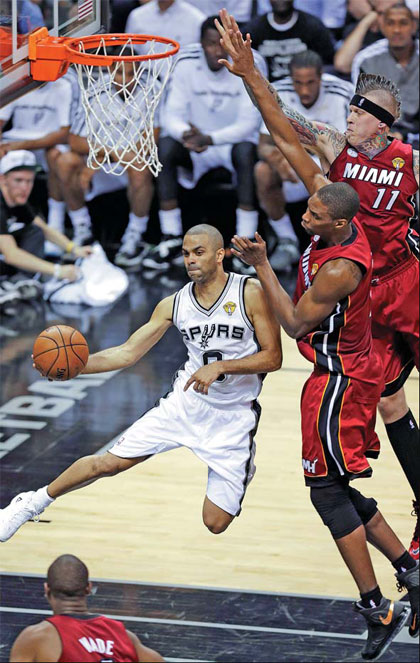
(330, 318)
(72, 633)
(385, 173)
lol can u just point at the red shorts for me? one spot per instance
(338, 425)
(395, 322)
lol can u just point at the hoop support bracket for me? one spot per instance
(47, 55)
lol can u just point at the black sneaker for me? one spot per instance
(82, 235)
(285, 255)
(414, 545)
(240, 267)
(165, 254)
(410, 580)
(384, 622)
(132, 250)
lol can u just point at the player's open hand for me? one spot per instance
(204, 377)
(253, 253)
(235, 46)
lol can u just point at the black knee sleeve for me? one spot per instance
(336, 509)
(366, 507)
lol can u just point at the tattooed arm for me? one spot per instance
(317, 137)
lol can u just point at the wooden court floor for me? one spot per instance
(145, 525)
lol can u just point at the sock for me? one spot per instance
(42, 499)
(246, 222)
(371, 599)
(404, 563)
(137, 223)
(170, 221)
(404, 437)
(56, 214)
(283, 228)
(80, 217)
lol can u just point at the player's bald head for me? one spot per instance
(381, 91)
(68, 576)
(214, 236)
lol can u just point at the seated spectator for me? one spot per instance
(396, 58)
(281, 194)
(244, 10)
(332, 13)
(41, 123)
(173, 19)
(209, 122)
(81, 183)
(285, 31)
(364, 30)
(22, 231)
(29, 15)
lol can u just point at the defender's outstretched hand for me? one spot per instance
(239, 50)
(253, 253)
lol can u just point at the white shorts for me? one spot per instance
(223, 439)
(215, 156)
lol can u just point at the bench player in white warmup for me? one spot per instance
(232, 339)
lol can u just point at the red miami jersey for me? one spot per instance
(342, 343)
(93, 638)
(386, 186)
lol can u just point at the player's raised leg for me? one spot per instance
(81, 473)
(215, 519)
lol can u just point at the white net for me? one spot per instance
(121, 106)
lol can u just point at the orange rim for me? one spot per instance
(95, 41)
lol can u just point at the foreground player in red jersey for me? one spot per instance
(72, 633)
(330, 317)
(385, 174)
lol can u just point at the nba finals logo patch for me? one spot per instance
(314, 269)
(398, 163)
(229, 307)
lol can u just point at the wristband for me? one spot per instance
(69, 247)
(57, 271)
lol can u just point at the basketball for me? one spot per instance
(60, 352)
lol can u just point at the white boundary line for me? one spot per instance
(215, 625)
(235, 590)
(402, 637)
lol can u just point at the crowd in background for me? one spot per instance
(207, 128)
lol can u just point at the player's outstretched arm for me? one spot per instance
(326, 141)
(137, 345)
(334, 281)
(145, 654)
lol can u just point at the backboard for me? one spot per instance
(63, 18)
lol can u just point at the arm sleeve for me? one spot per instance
(356, 66)
(175, 111)
(245, 128)
(64, 103)
(6, 112)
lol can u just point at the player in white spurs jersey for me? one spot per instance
(232, 340)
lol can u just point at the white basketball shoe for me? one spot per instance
(21, 509)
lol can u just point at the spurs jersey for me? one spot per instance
(386, 186)
(342, 343)
(92, 638)
(222, 332)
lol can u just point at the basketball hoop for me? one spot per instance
(120, 91)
